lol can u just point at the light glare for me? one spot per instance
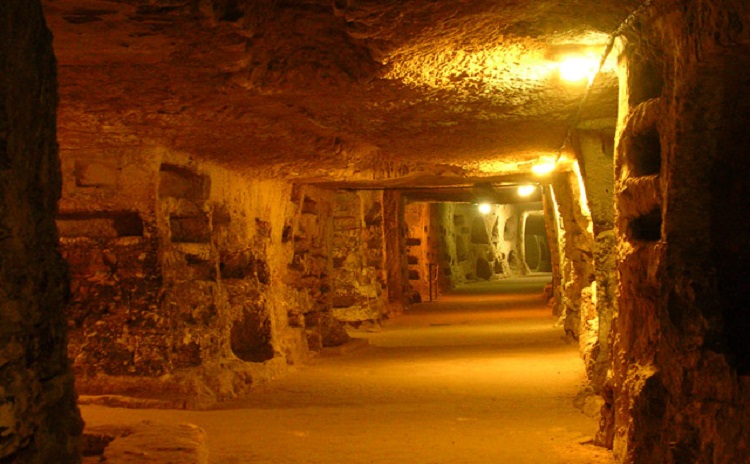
(484, 208)
(576, 69)
(526, 190)
(543, 167)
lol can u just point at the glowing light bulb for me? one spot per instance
(484, 208)
(576, 69)
(545, 165)
(526, 190)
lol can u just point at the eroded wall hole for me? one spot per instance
(181, 182)
(250, 336)
(646, 228)
(644, 154)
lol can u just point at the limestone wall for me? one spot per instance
(358, 276)
(680, 390)
(190, 281)
(307, 291)
(575, 244)
(453, 243)
(39, 422)
(475, 246)
(552, 224)
(397, 278)
(420, 250)
(577, 263)
(594, 148)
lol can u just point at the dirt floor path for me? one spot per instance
(475, 378)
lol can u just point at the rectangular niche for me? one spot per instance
(644, 153)
(646, 228)
(200, 268)
(181, 182)
(102, 224)
(244, 265)
(250, 336)
(309, 206)
(645, 78)
(193, 229)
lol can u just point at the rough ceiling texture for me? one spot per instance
(328, 89)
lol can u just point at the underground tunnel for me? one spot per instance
(472, 227)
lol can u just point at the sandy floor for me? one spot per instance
(474, 378)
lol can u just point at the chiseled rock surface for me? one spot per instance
(39, 422)
(679, 385)
(312, 89)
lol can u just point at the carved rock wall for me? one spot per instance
(680, 390)
(190, 281)
(575, 244)
(39, 421)
(358, 251)
(595, 151)
(395, 245)
(476, 246)
(552, 224)
(420, 250)
(308, 290)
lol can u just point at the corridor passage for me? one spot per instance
(480, 377)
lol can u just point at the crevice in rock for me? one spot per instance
(100, 224)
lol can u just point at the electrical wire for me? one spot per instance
(607, 50)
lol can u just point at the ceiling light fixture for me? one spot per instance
(577, 68)
(484, 208)
(544, 166)
(526, 190)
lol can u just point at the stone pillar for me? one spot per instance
(395, 257)
(39, 421)
(576, 245)
(520, 247)
(552, 223)
(514, 234)
(594, 146)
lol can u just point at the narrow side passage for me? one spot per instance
(477, 377)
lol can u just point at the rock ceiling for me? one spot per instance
(326, 90)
